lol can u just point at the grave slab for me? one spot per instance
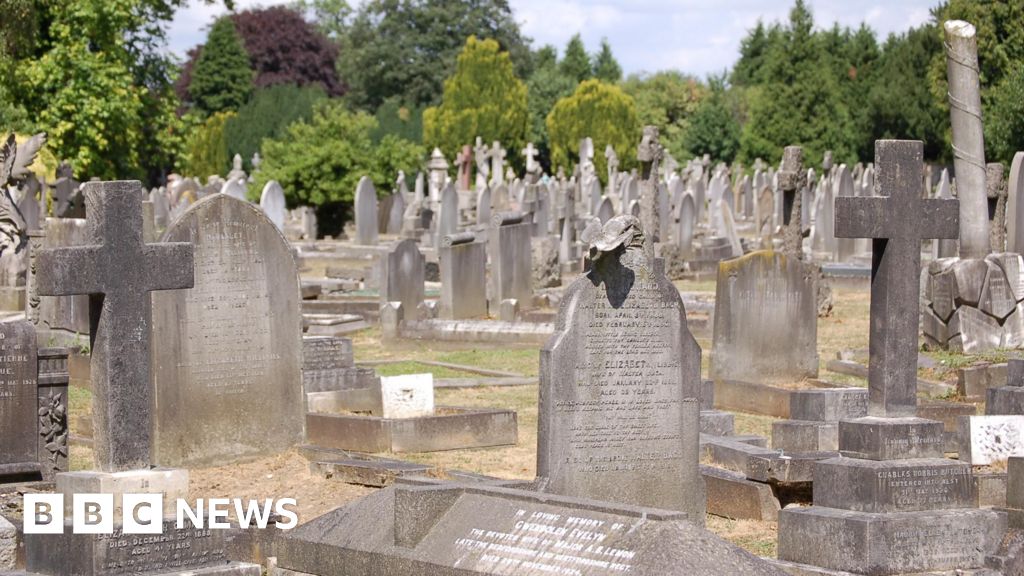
(894, 486)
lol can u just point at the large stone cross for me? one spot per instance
(897, 218)
(118, 270)
(792, 180)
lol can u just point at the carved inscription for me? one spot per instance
(173, 550)
(625, 415)
(228, 316)
(943, 545)
(17, 393)
(916, 487)
(547, 543)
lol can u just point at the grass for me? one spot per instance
(412, 367)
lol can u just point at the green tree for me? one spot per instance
(222, 76)
(95, 75)
(802, 103)
(712, 128)
(1004, 130)
(399, 119)
(900, 101)
(750, 69)
(576, 64)
(483, 98)
(405, 48)
(667, 100)
(601, 111)
(606, 68)
(207, 151)
(545, 86)
(319, 162)
(267, 115)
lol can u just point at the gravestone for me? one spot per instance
(620, 384)
(792, 181)
(19, 456)
(235, 188)
(395, 213)
(483, 205)
(892, 504)
(231, 345)
(273, 204)
(1015, 206)
(990, 440)
(366, 212)
(448, 219)
(766, 319)
(687, 224)
(118, 270)
(161, 208)
(463, 267)
(420, 527)
(511, 257)
(328, 364)
(402, 273)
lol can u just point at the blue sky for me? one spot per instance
(695, 36)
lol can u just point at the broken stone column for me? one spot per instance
(968, 139)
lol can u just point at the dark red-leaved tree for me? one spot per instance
(283, 49)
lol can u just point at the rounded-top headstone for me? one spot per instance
(273, 204)
(227, 352)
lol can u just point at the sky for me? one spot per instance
(698, 37)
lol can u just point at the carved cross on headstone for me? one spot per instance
(792, 180)
(897, 219)
(118, 270)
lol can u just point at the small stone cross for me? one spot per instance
(532, 166)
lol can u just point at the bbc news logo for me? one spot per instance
(143, 513)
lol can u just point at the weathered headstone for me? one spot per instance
(231, 345)
(620, 384)
(236, 188)
(402, 272)
(1015, 206)
(792, 181)
(892, 504)
(1009, 399)
(18, 431)
(366, 212)
(273, 204)
(118, 270)
(463, 267)
(395, 214)
(990, 439)
(766, 319)
(448, 219)
(511, 257)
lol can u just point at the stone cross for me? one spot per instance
(118, 270)
(463, 160)
(532, 166)
(613, 167)
(897, 219)
(792, 180)
(482, 158)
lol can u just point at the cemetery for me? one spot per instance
(436, 299)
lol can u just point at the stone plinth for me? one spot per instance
(450, 428)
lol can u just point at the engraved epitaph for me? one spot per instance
(18, 443)
(620, 379)
(228, 371)
(897, 219)
(118, 270)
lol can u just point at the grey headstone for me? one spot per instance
(605, 210)
(448, 219)
(620, 386)
(395, 213)
(18, 428)
(124, 270)
(463, 267)
(366, 212)
(483, 205)
(273, 204)
(766, 319)
(161, 208)
(402, 275)
(687, 223)
(230, 347)
(511, 257)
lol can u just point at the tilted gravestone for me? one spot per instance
(366, 212)
(422, 527)
(620, 384)
(230, 346)
(402, 273)
(766, 319)
(118, 270)
(892, 504)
